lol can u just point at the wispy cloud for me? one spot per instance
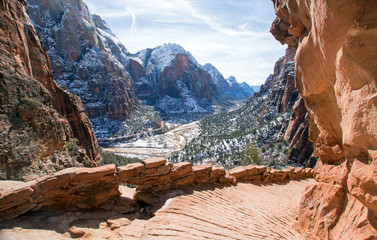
(232, 35)
(133, 15)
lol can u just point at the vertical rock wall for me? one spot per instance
(37, 118)
(86, 57)
(336, 73)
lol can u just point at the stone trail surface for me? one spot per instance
(244, 211)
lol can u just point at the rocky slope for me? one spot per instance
(274, 120)
(336, 75)
(86, 58)
(42, 126)
(283, 96)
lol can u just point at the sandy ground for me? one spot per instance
(245, 211)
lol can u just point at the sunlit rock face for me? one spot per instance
(37, 118)
(336, 73)
(86, 57)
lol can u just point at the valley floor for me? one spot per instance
(163, 145)
(244, 211)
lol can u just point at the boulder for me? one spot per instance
(216, 173)
(202, 173)
(129, 171)
(238, 172)
(153, 162)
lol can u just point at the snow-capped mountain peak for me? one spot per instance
(232, 80)
(212, 70)
(162, 55)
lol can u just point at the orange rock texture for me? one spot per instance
(37, 118)
(244, 211)
(90, 188)
(336, 73)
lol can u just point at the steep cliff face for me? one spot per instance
(38, 119)
(280, 85)
(283, 96)
(336, 75)
(86, 57)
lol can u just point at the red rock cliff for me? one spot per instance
(336, 73)
(38, 119)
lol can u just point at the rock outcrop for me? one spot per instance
(209, 211)
(336, 75)
(91, 188)
(86, 58)
(39, 121)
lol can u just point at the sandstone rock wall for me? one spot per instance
(88, 188)
(37, 118)
(336, 75)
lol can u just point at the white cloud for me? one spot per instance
(232, 35)
(133, 15)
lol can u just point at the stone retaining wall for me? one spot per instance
(88, 188)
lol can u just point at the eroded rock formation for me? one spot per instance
(90, 188)
(244, 211)
(336, 75)
(38, 119)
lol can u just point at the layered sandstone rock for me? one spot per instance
(336, 75)
(245, 211)
(38, 119)
(93, 188)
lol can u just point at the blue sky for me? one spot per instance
(233, 35)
